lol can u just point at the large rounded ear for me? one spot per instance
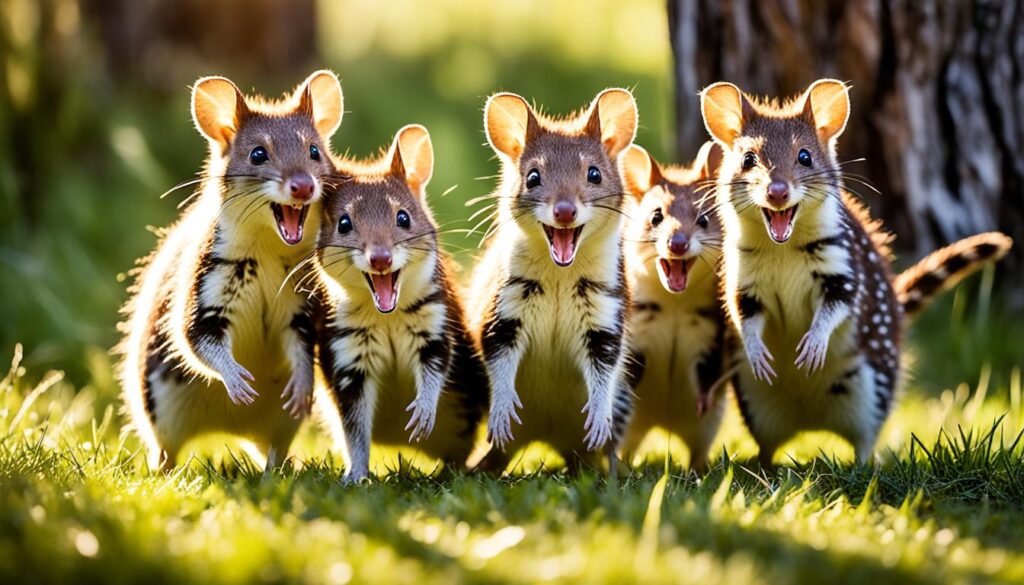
(827, 104)
(320, 96)
(723, 106)
(509, 123)
(412, 156)
(218, 109)
(640, 172)
(709, 158)
(613, 120)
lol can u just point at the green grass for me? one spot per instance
(945, 503)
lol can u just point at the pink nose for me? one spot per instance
(301, 186)
(380, 259)
(565, 212)
(678, 244)
(778, 193)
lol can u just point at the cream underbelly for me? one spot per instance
(200, 407)
(396, 389)
(802, 399)
(672, 347)
(553, 393)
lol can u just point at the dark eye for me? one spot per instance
(702, 220)
(803, 157)
(258, 156)
(403, 219)
(749, 161)
(314, 152)
(532, 179)
(344, 224)
(656, 217)
(594, 175)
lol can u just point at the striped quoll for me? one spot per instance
(808, 282)
(673, 239)
(393, 340)
(550, 302)
(211, 342)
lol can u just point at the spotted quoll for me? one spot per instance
(673, 239)
(211, 342)
(550, 302)
(381, 350)
(808, 284)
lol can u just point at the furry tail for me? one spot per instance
(946, 267)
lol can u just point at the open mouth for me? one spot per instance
(780, 223)
(290, 219)
(384, 288)
(562, 243)
(675, 273)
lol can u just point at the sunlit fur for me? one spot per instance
(179, 394)
(549, 370)
(392, 350)
(782, 277)
(675, 332)
(821, 316)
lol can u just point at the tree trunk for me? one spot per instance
(938, 98)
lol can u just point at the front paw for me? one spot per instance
(238, 381)
(811, 351)
(298, 396)
(499, 423)
(598, 428)
(422, 420)
(760, 361)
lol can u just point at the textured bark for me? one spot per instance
(938, 98)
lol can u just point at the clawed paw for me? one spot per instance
(598, 428)
(761, 361)
(811, 351)
(298, 396)
(499, 424)
(422, 420)
(238, 383)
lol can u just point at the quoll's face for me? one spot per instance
(282, 159)
(372, 230)
(679, 229)
(568, 188)
(782, 170)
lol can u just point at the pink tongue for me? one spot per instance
(562, 245)
(677, 275)
(385, 296)
(779, 222)
(290, 226)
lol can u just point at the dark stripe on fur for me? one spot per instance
(838, 288)
(816, 245)
(603, 348)
(530, 287)
(748, 306)
(433, 298)
(500, 335)
(210, 325)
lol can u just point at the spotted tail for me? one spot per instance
(946, 267)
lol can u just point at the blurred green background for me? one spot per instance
(95, 125)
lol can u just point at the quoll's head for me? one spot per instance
(275, 150)
(565, 183)
(779, 159)
(376, 224)
(674, 223)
